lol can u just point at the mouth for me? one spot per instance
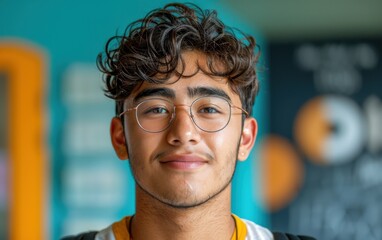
(183, 162)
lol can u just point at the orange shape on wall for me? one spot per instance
(25, 68)
(282, 172)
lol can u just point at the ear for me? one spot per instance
(248, 138)
(118, 139)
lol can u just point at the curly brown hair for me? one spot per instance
(151, 49)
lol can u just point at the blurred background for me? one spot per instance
(316, 168)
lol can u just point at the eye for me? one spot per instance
(208, 110)
(156, 110)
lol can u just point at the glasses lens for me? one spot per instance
(211, 114)
(154, 115)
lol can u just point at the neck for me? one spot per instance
(156, 220)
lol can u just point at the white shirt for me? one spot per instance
(254, 232)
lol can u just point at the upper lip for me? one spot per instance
(182, 158)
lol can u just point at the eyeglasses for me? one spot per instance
(210, 114)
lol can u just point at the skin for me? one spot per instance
(183, 174)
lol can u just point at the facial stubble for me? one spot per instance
(172, 200)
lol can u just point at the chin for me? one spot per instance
(186, 200)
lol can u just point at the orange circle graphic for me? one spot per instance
(282, 172)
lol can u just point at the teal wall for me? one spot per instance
(76, 31)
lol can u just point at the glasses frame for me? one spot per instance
(190, 113)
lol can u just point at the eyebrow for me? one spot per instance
(155, 92)
(206, 92)
(192, 92)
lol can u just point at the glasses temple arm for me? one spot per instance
(245, 112)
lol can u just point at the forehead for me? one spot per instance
(185, 90)
(193, 80)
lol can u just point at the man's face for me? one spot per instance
(184, 166)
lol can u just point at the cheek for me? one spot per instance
(139, 142)
(141, 151)
(231, 134)
(219, 141)
(141, 145)
(224, 141)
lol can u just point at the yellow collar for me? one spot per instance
(121, 233)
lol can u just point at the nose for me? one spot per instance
(183, 130)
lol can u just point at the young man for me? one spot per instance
(184, 87)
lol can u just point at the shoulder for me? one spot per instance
(104, 234)
(82, 236)
(288, 236)
(255, 231)
(117, 230)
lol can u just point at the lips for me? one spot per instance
(183, 162)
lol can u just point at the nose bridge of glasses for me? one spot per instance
(176, 116)
(185, 107)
